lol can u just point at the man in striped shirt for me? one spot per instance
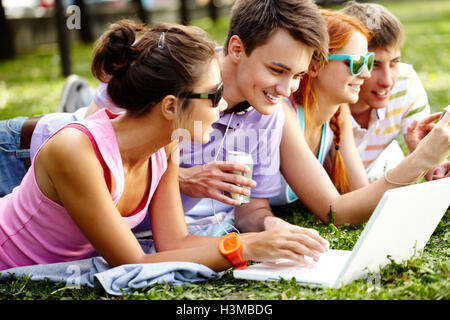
(391, 99)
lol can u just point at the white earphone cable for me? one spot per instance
(215, 159)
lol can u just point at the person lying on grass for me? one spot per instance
(93, 180)
(320, 104)
(393, 100)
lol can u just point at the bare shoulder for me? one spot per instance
(67, 160)
(66, 148)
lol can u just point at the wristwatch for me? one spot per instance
(230, 245)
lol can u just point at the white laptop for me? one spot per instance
(403, 221)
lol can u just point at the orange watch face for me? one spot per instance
(230, 243)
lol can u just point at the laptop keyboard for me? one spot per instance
(328, 267)
(326, 270)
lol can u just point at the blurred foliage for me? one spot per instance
(32, 84)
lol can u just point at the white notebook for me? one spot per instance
(400, 227)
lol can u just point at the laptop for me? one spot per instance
(401, 225)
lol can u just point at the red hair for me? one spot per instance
(340, 28)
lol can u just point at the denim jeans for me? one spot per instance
(12, 167)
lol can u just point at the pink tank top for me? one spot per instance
(36, 230)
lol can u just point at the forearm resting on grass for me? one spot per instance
(287, 243)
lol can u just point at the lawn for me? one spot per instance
(31, 84)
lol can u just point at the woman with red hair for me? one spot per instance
(320, 103)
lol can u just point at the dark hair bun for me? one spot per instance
(114, 51)
(141, 73)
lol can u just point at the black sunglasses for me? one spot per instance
(214, 96)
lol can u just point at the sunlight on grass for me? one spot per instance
(37, 96)
(427, 45)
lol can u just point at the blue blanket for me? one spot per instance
(96, 273)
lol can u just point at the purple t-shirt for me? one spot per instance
(251, 132)
(51, 122)
(102, 99)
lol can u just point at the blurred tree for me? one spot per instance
(141, 12)
(184, 12)
(63, 38)
(7, 48)
(212, 10)
(85, 30)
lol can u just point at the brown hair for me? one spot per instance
(387, 29)
(338, 172)
(340, 28)
(254, 21)
(140, 73)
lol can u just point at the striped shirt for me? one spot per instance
(408, 102)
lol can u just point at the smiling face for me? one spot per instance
(376, 91)
(334, 84)
(201, 111)
(272, 71)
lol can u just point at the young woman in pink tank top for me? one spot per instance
(92, 181)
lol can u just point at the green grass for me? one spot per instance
(427, 45)
(425, 276)
(31, 84)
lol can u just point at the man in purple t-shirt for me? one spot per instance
(248, 131)
(268, 49)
